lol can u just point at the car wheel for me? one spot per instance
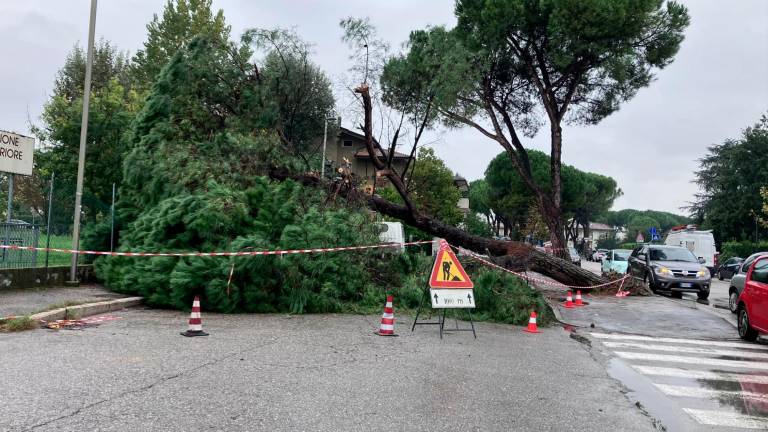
(720, 275)
(703, 295)
(745, 331)
(650, 284)
(733, 301)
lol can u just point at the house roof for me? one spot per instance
(600, 226)
(364, 154)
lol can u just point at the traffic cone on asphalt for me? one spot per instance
(532, 327)
(578, 299)
(195, 321)
(569, 301)
(387, 327)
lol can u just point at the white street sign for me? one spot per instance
(16, 153)
(454, 298)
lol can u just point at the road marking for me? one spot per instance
(706, 375)
(692, 360)
(682, 341)
(686, 349)
(727, 419)
(699, 392)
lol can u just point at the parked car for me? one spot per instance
(752, 307)
(737, 281)
(599, 254)
(575, 257)
(616, 260)
(701, 243)
(729, 268)
(670, 268)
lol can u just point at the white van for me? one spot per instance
(701, 243)
(392, 232)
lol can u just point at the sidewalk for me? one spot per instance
(28, 301)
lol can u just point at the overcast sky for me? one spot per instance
(717, 85)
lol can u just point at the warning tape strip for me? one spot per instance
(202, 254)
(299, 251)
(539, 280)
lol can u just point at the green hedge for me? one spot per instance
(741, 249)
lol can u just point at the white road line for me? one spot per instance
(687, 349)
(727, 419)
(682, 341)
(702, 361)
(699, 392)
(697, 374)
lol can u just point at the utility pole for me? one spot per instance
(83, 136)
(325, 140)
(9, 213)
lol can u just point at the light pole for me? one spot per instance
(83, 136)
(325, 141)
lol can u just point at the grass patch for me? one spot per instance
(55, 258)
(16, 324)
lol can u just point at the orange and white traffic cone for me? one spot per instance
(387, 327)
(569, 301)
(532, 327)
(195, 321)
(578, 299)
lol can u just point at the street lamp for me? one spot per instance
(325, 141)
(83, 136)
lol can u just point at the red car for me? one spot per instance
(753, 301)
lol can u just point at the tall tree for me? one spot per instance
(182, 20)
(296, 92)
(585, 194)
(112, 107)
(508, 62)
(729, 178)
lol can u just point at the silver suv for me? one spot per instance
(670, 268)
(737, 281)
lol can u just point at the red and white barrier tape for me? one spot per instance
(539, 280)
(201, 254)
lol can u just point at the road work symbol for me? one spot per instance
(447, 271)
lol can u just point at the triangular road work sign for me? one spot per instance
(447, 271)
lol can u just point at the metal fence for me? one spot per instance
(19, 234)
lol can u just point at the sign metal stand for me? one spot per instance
(449, 287)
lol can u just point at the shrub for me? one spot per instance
(742, 249)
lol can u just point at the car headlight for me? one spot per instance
(702, 273)
(663, 271)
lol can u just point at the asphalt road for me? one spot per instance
(317, 372)
(681, 360)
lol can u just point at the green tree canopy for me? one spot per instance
(297, 93)
(622, 218)
(729, 178)
(585, 194)
(431, 188)
(508, 62)
(203, 120)
(112, 107)
(182, 20)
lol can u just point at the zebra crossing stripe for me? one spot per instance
(699, 392)
(692, 360)
(709, 343)
(699, 374)
(688, 350)
(727, 419)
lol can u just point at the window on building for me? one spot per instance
(347, 143)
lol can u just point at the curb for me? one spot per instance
(87, 309)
